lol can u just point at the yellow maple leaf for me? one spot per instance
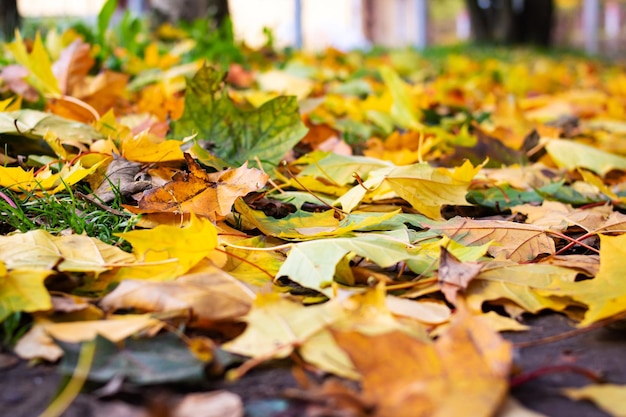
(22, 290)
(166, 252)
(147, 147)
(38, 64)
(18, 180)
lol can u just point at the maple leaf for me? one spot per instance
(455, 275)
(606, 396)
(312, 264)
(73, 65)
(210, 195)
(22, 290)
(238, 136)
(166, 252)
(467, 366)
(210, 296)
(38, 64)
(605, 294)
(517, 242)
(22, 131)
(299, 328)
(40, 250)
(426, 188)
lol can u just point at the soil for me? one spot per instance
(25, 391)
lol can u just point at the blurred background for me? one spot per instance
(596, 26)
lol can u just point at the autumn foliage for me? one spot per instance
(366, 214)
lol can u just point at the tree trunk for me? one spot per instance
(188, 10)
(9, 18)
(511, 21)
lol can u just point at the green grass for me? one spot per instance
(76, 211)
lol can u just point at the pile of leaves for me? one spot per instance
(378, 217)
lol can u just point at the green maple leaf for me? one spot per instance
(235, 135)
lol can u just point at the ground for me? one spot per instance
(25, 391)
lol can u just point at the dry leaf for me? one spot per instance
(210, 195)
(463, 373)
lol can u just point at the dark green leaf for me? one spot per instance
(162, 359)
(235, 135)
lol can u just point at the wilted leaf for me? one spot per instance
(572, 155)
(22, 131)
(73, 65)
(604, 295)
(277, 326)
(455, 275)
(312, 264)
(238, 136)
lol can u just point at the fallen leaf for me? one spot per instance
(167, 252)
(162, 359)
(210, 404)
(22, 290)
(454, 275)
(608, 397)
(238, 136)
(468, 366)
(210, 297)
(42, 251)
(38, 64)
(210, 195)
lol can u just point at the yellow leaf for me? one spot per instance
(16, 179)
(609, 397)
(427, 189)
(38, 64)
(277, 326)
(146, 147)
(40, 250)
(604, 295)
(167, 252)
(116, 328)
(22, 290)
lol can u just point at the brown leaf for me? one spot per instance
(103, 91)
(463, 373)
(515, 241)
(210, 296)
(455, 275)
(210, 195)
(73, 65)
(120, 178)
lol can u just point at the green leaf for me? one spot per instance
(312, 264)
(571, 155)
(402, 109)
(234, 135)
(502, 197)
(304, 225)
(104, 17)
(162, 359)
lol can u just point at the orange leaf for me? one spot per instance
(210, 195)
(464, 373)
